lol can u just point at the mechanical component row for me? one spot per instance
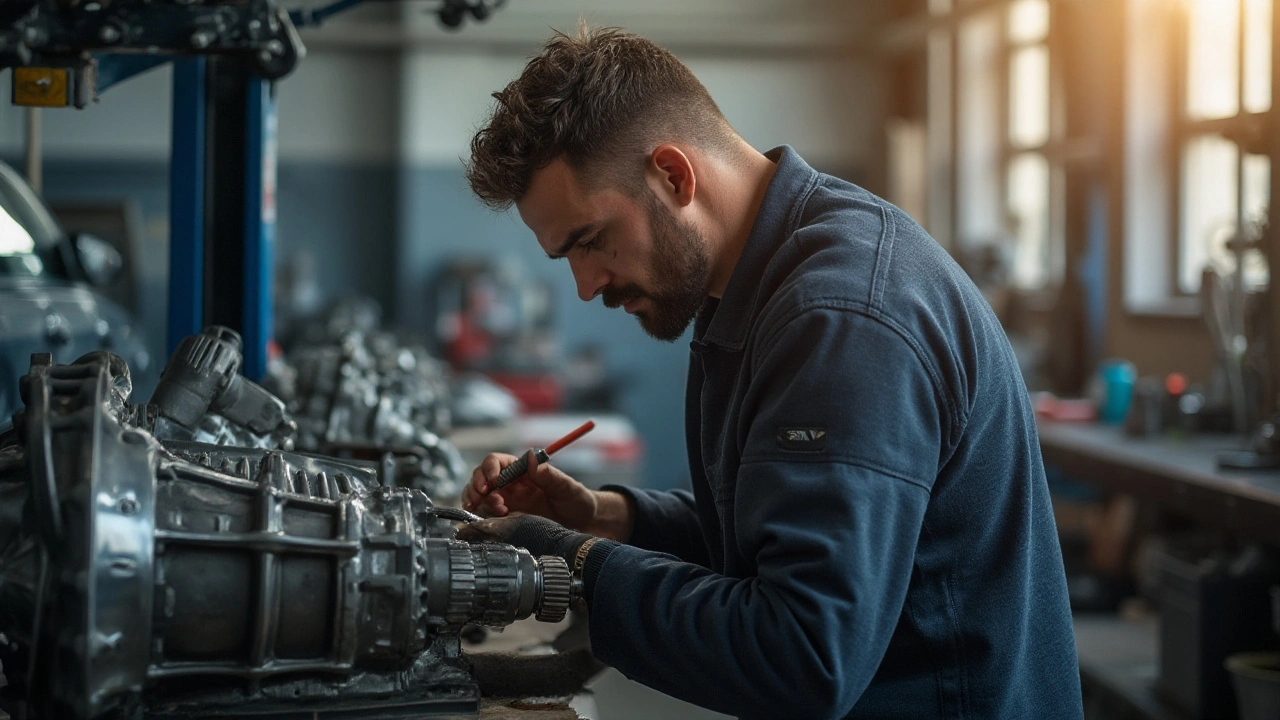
(358, 393)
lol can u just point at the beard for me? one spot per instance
(679, 275)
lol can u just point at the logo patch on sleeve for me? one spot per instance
(802, 439)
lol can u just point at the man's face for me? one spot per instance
(630, 250)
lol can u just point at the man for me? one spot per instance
(869, 533)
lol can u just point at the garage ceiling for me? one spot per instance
(714, 25)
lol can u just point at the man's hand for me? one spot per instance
(546, 491)
(538, 535)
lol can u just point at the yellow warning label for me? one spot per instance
(41, 87)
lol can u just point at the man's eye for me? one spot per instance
(593, 243)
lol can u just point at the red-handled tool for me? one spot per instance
(515, 470)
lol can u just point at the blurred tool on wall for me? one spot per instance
(1237, 319)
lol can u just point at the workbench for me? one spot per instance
(1119, 657)
(1178, 474)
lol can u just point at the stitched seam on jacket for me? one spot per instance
(859, 308)
(955, 638)
(801, 204)
(884, 257)
(959, 643)
(850, 460)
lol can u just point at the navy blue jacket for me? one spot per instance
(869, 533)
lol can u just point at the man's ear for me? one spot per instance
(674, 174)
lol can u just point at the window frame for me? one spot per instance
(944, 214)
(1184, 128)
(1050, 148)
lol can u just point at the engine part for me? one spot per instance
(367, 395)
(143, 584)
(386, 399)
(202, 396)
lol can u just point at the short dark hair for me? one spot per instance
(591, 99)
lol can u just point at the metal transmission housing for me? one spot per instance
(187, 580)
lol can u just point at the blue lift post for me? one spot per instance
(222, 204)
(260, 224)
(186, 202)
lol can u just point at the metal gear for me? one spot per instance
(556, 584)
(462, 584)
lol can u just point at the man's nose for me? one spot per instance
(591, 278)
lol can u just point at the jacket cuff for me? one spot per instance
(591, 567)
(644, 532)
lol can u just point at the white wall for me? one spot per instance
(826, 108)
(341, 106)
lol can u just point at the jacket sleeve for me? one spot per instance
(833, 532)
(666, 522)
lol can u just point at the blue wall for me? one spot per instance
(344, 214)
(384, 231)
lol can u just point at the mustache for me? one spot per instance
(617, 297)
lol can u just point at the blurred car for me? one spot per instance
(48, 298)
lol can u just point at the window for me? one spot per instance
(1225, 92)
(19, 251)
(1031, 181)
(992, 176)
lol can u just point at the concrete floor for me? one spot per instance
(614, 697)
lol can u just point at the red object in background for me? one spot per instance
(537, 393)
(621, 452)
(1175, 384)
(1051, 407)
(470, 344)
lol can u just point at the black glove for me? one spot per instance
(537, 534)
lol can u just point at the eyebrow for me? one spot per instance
(574, 236)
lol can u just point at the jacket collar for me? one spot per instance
(724, 323)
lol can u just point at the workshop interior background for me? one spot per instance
(1084, 160)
